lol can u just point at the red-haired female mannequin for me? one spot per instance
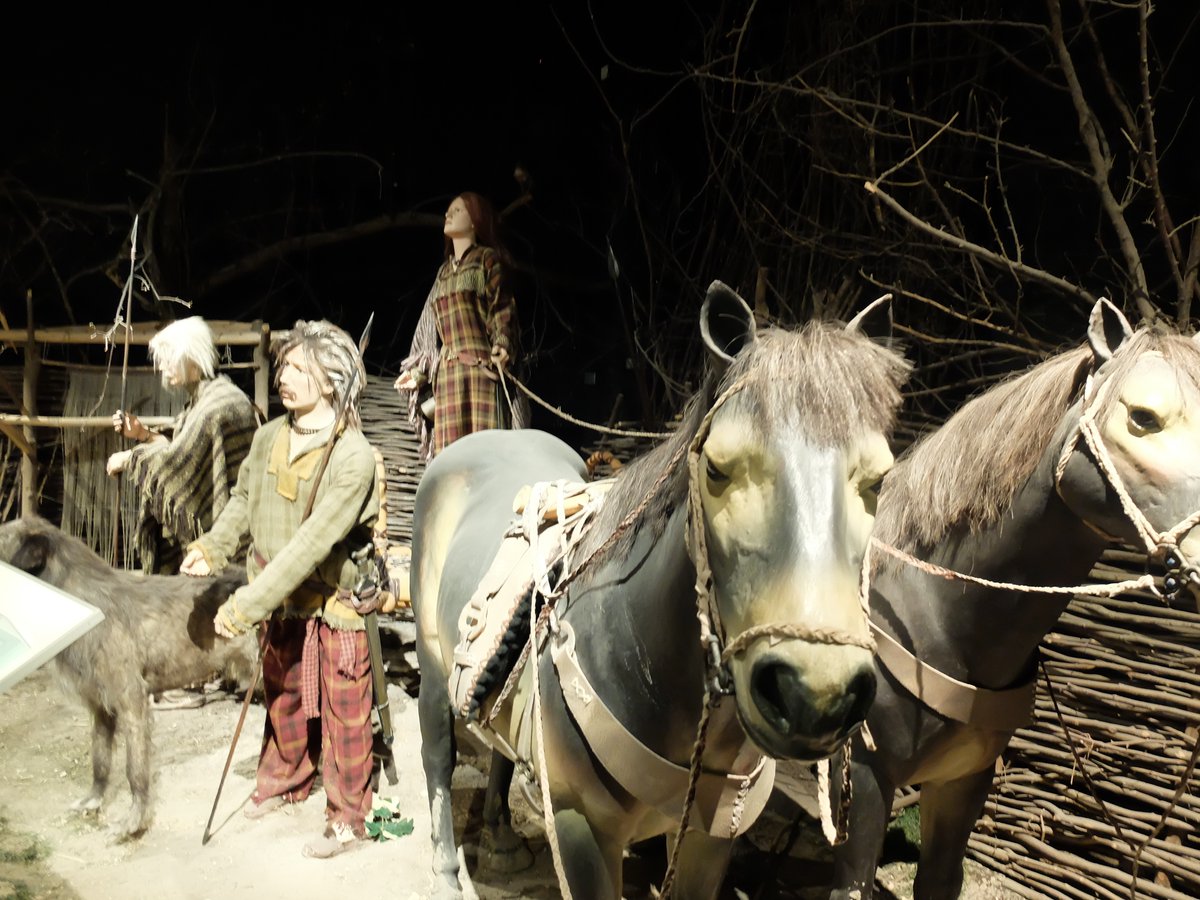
(467, 332)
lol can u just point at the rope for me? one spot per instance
(668, 881)
(824, 802)
(1110, 589)
(547, 804)
(659, 435)
(802, 632)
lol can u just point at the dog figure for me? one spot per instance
(157, 634)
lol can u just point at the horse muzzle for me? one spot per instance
(805, 712)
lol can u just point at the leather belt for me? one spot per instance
(471, 358)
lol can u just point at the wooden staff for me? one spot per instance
(127, 299)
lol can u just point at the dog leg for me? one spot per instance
(136, 725)
(104, 727)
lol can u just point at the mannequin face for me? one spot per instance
(458, 220)
(302, 386)
(178, 373)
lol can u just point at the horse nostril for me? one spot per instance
(859, 696)
(787, 704)
(776, 691)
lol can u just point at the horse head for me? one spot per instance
(785, 471)
(1131, 467)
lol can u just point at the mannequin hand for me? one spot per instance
(221, 627)
(367, 600)
(410, 380)
(130, 426)
(195, 564)
(118, 462)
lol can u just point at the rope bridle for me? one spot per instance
(1159, 545)
(717, 649)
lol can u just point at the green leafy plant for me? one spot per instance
(386, 822)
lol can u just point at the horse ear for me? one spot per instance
(1107, 329)
(875, 320)
(726, 322)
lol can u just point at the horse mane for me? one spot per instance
(820, 381)
(967, 472)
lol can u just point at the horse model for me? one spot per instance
(1018, 493)
(734, 574)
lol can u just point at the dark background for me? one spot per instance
(288, 162)
(304, 122)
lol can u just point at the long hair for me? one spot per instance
(485, 222)
(335, 353)
(183, 342)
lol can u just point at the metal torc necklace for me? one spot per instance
(305, 432)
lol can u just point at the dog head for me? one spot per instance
(27, 544)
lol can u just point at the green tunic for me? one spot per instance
(267, 504)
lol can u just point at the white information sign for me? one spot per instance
(37, 621)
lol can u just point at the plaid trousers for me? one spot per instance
(340, 740)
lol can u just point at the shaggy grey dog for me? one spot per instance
(157, 634)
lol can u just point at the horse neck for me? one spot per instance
(985, 635)
(638, 641)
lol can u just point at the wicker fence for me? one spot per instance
(385, 425)
(1100, 797)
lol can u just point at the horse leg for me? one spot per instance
(104, 729)
(438, 755)
(949, 810)
(591, 862)
(855, 861)
(703, 861)
(501, 849)
(135, 722)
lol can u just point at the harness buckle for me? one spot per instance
(1176, 572)
(720, 682)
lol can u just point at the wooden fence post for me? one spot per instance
(29, 466)
(262, 369)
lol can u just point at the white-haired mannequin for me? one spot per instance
(185, 355)
(183, 480)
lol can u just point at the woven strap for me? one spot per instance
(1005, 710)
(727, 803)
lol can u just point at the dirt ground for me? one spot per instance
(47, 851)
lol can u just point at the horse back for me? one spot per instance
(463, 506)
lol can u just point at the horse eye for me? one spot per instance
(714, 474)
(869, 491)
(1144, 421)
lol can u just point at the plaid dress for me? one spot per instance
(472, 313)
